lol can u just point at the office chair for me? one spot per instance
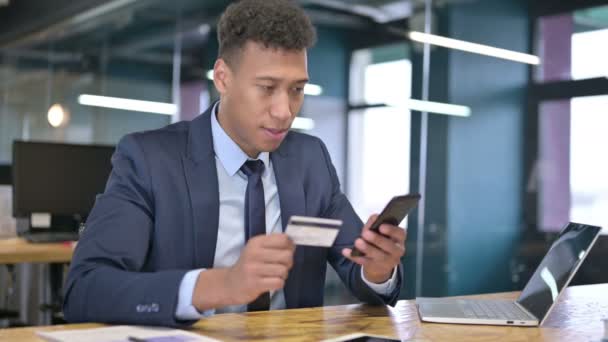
(8, 316)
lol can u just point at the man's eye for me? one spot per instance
(267, 88)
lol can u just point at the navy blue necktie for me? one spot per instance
(255, 217)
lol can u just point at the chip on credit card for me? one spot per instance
(313, 231)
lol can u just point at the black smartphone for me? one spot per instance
(394, 212)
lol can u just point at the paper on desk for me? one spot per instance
(122, 333)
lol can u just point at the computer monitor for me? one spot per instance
(58, 179)
(5, 174)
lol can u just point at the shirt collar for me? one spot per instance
(227, 151)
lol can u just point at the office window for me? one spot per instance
(25, 104)
(588, 160)
(568, 45)
(572, 164)
(588, 57)
(379, 138)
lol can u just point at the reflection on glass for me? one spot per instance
(546, 275)
(556, 268)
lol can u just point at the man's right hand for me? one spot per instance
(262, 267)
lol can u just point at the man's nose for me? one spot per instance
(281, 107)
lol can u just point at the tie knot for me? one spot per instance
(253, 167)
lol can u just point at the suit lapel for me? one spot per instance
(201, 177)
(291, 196)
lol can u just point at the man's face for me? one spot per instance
(261, 93)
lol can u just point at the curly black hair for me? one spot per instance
(277, 24)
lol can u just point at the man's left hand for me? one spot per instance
(382, 251)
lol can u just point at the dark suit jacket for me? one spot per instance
(158, 219)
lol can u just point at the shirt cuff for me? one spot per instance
(185, 310)
(385, 288)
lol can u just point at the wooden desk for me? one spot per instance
(576, 318)
(18, 250)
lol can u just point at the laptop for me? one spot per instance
(539, 296)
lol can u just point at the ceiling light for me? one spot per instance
(305, 124)
(57, 115)
(473, 47)
(433, 107)
(204, 29)
(210, 75)
(313, 89)
(128, 104)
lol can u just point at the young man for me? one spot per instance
(191, 221)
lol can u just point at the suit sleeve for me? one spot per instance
(339, 207)
(107, 281)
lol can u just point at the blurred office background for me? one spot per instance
(506, 148)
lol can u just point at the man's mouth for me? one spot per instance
(276, 134)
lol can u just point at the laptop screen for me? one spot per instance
(557, 267)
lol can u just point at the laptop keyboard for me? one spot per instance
(493, 310)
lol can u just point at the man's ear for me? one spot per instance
(222, 75)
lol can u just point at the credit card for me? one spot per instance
(313, 231)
